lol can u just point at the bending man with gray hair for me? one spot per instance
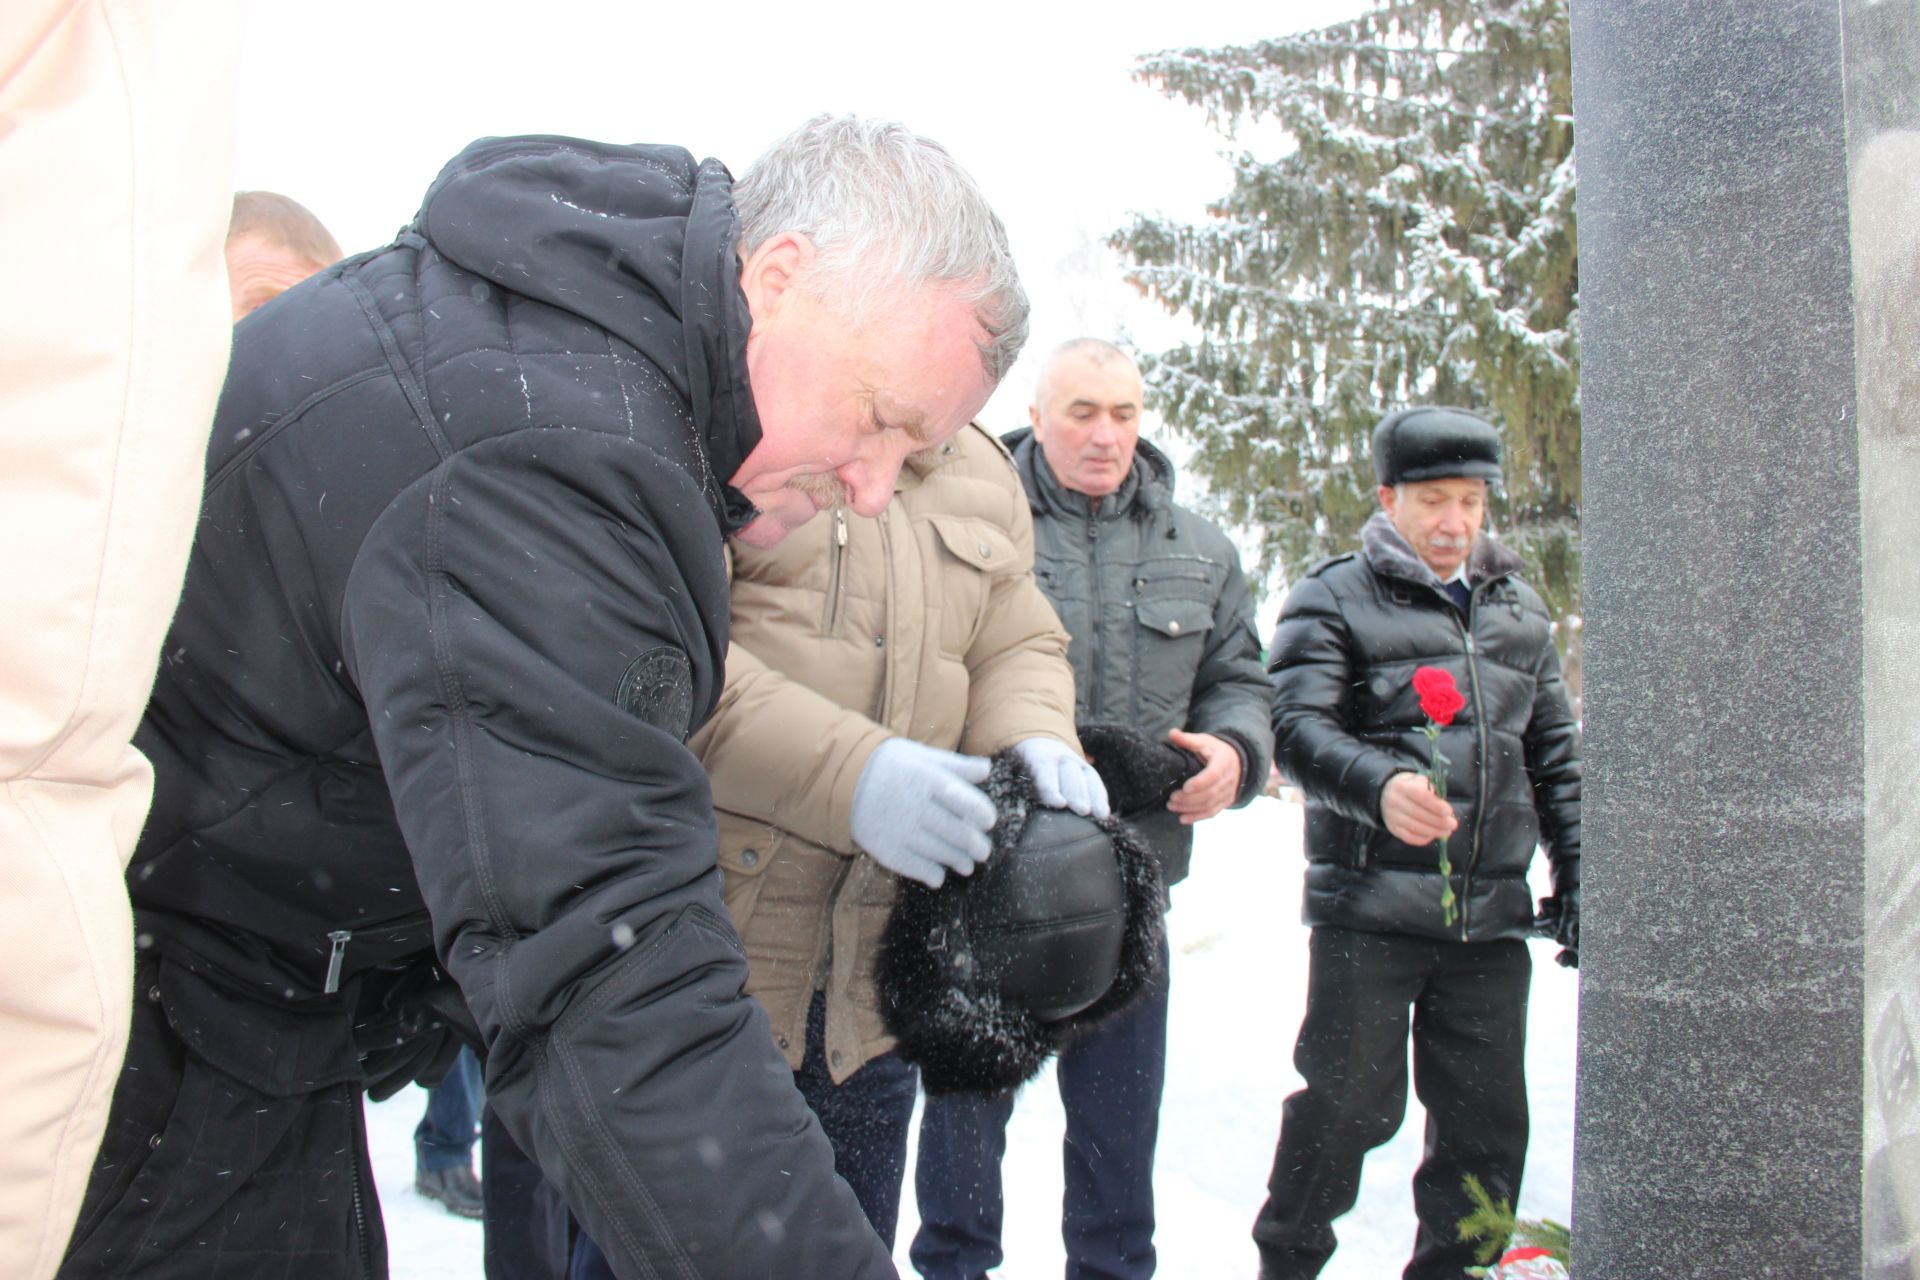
(456, 601)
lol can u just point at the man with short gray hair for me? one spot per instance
(456, 601)
(1163, 647)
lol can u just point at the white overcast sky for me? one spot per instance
(351, 107)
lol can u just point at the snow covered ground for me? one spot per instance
(1239, 985)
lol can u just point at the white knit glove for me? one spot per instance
(918, 813)
(1061, 778)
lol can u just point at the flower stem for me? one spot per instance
(1437, 776)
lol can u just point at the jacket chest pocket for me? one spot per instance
(1173, 600)
(970, 556)
(1174, 619)
(1174, 597)
(1193, 578)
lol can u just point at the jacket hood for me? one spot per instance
(639, 240)
(1391, 555)
(1148, 487)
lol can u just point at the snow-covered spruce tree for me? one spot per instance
(1417, 246)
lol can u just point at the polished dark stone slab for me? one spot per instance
(1752, 716)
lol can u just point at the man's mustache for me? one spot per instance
(826, 490)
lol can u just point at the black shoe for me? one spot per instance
(455, 1187)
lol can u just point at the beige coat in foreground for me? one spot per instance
(116, 150)
(925, 623)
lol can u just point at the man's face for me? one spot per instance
(259, 270)
(1087, 420)
(1438, 518)
(841, 406)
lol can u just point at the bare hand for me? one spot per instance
(1412, 812)
(1214, 787)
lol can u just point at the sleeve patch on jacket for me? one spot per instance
(658, 688)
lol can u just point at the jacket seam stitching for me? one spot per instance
(416, 395)
(285, 421)
(447, 677)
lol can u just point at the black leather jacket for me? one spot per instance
(1346, 719)
(455, 601)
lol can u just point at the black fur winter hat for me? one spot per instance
(1432, 443)
(1140, 772)
(985, 978)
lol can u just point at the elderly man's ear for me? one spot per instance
(773, 270)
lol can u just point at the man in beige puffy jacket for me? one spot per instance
(865, 653)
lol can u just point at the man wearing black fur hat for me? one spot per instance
(1163, 642)
(1427, 589)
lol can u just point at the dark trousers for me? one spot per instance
(865, 1117)
(445, 1136)
(529, 1231)
(203, 1174)
(1110, 1083)
(1469, 1014)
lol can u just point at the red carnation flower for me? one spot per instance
(1441, 701)
(1440, 698)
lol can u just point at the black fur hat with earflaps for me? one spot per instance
(985, 978)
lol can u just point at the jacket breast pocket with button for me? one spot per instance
(1176, 619)
(1169, 647)
(974, 553)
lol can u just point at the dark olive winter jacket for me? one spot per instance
(456, 600)
(1159, 616)
(1346, 719)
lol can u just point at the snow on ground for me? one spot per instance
(1239, 986)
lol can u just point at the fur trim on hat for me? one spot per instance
(964, 1035)
(1139, 772)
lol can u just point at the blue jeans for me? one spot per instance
(445, 1136)
(865, 1118)
(1110, 1083)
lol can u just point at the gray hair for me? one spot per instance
(1098, 350)
(885, 207)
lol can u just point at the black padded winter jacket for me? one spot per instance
(1159, 616)
(455, 601)
(1346, 719)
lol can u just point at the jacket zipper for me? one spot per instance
(823, 955)
(1480, 772)
(833, 569)
(1094, 700)
(361, 1173)
(335, 957)
(339, 939)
